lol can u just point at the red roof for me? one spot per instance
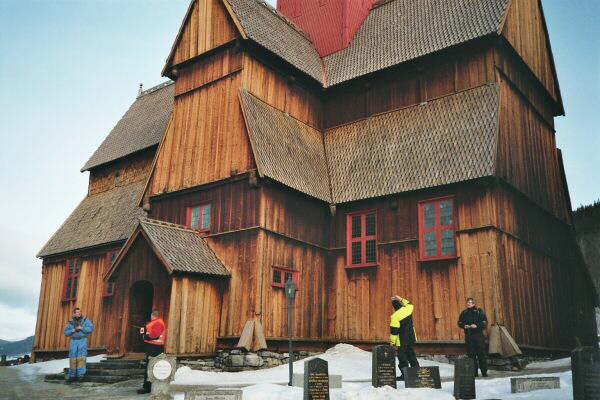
(329, 24)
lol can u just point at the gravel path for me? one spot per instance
(16, 385)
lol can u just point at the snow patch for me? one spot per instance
(562, 362)
(51, 367)
(352, 363)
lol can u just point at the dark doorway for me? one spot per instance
(140, 307)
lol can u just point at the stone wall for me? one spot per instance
(238, 360)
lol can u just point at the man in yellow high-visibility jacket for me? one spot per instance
(402, 333)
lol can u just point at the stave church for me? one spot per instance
(360, 148)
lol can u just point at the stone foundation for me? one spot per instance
(238, 360)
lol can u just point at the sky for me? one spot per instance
(70, 69)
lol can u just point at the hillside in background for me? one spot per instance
(586, 220)
(16, 348)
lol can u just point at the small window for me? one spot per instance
(109, 287)
(281, 275)
(73, 267)
(361, 239)
(437, 222)
(198, 217)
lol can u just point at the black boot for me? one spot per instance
(143, 391)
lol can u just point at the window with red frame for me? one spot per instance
(198, 217)
(72, 278)
(437, 222)
(281, 275)
(361, 239)
(109, 287)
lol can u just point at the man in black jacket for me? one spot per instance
(474, 321)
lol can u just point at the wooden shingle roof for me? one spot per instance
(142, 126)
(99, 219)
(440, 142)
(182, 249)
(444, 141)
(394, 32)
(282, 144)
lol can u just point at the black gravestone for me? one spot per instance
(383, 366)
(585, 366)
(316, 380)
(464, 379)
(422, 377)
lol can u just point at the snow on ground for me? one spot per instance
(344, 359)
(562, 362)
(51, 367)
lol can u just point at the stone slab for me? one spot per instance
(464, 379)
(335, 381)
(216, 394)
(521, 385)
(316, 380)
(585, 364)
(422, 377)
(383, 366)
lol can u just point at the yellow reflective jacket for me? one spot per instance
(395, 320)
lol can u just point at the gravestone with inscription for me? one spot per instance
(383, 366)
(422, 377)
(521, 385)
(464, 379)
(216, 394)
(161, 371)
(585, 366)
(316, 380)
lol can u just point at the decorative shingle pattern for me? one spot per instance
(183, 249)
(101, 218)
(285, 149)
(444, 141)
(264, 25)
(141, 127)
(402, 30)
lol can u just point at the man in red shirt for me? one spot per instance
(154, 344)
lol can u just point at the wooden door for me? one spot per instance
(140, 306)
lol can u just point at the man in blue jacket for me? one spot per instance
(78, 329)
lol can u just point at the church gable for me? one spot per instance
(525, 29)
(206, 25)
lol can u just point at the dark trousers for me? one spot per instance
(406, 354)
(151, 350)
(476, 350)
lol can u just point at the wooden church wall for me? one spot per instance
(201, 146)
(438, 289)
(274, 88)
(128, 170)
(241, 297)
(234, 206)
(195, 315)
(208, 26)
(399, 87)
(53, 312)
(527, 156)
(140, 264)
(524, 30)
(309, 305)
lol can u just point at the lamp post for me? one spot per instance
(290, 293)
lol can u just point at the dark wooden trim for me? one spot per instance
(93, 250)
(209, 83)
(204, 186)
(200, 57)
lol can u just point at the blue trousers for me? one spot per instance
(77, 356)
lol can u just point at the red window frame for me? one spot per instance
(363, 238)
(282, 278)
(109, 287)
(437, 228)
(200, 207)
(72, 271)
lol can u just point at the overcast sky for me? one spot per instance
(70, 69)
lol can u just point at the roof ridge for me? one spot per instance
(166, 224)
(155, 88)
